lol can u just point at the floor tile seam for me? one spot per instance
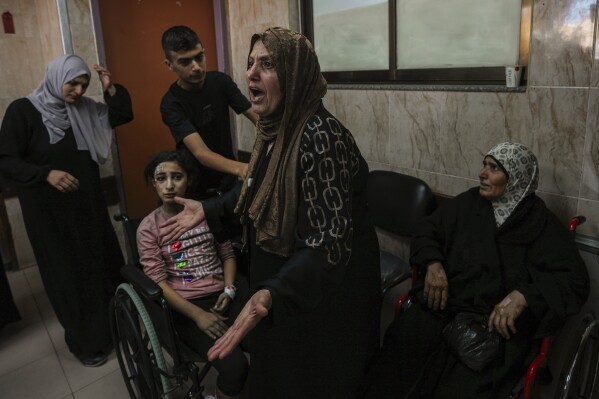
(31, 362)
(64, 372)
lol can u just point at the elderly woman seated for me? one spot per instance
(497, 270)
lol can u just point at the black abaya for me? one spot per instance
(73, 240)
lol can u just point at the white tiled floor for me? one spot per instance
(34, 360)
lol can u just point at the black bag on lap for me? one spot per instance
(469, 340)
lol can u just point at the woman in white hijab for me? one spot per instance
(496, 255)
(51, 143)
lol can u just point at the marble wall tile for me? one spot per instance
(551, 122)
(107, 168)
(246, 133)
(22, 64)
(48, 29)
(4, 103)
(83, 39)
(563, 207)
(13, 6)
(366, 115)
(23, 70)
(448, 133)
(590, 162)
(562, 43)
(24, 17)
(79, 12)
(595, 68)
(590, 209)
(253, 12)
(443, 132)
(244, 19)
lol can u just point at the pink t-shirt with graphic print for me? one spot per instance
(192, 265)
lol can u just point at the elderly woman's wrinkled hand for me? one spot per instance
(254, 310)
(191, 215)
(504, 315)
(436, 286)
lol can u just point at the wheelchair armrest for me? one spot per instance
(403, 300)
(540, 361)
(142, 283)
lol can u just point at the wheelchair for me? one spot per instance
(579, 377)
(153, 361)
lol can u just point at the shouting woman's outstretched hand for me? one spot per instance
(254, 310)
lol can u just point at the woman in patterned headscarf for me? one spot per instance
(495, 251)
(314, 258)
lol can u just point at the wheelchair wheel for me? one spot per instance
(579, 378)
(138, 350)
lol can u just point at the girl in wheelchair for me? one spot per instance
(196, 272)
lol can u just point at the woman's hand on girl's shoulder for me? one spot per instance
(191, 215)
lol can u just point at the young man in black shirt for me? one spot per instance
(196, 109)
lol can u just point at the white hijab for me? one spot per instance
(523, 177)
(88, 118)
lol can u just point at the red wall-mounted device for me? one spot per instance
(9, 26)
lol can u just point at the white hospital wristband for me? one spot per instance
(230, 291)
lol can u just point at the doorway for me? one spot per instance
(131, 33)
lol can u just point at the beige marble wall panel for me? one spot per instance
(24, 67)
(22, 14)
(563, 207)
(366, 115)
(107, 168)
(562, 43)
(79, 12)
(443, 132)
(21, 60)
(246, 134)
(4, 103)
(590, 162)
(590, 209)
(48, 27)
(258, 12)
(551, 122)
(13, 6)
(83, 39)
(595, 68)
(240, 44)
(246, 17)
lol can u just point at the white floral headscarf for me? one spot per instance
(522, 169)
